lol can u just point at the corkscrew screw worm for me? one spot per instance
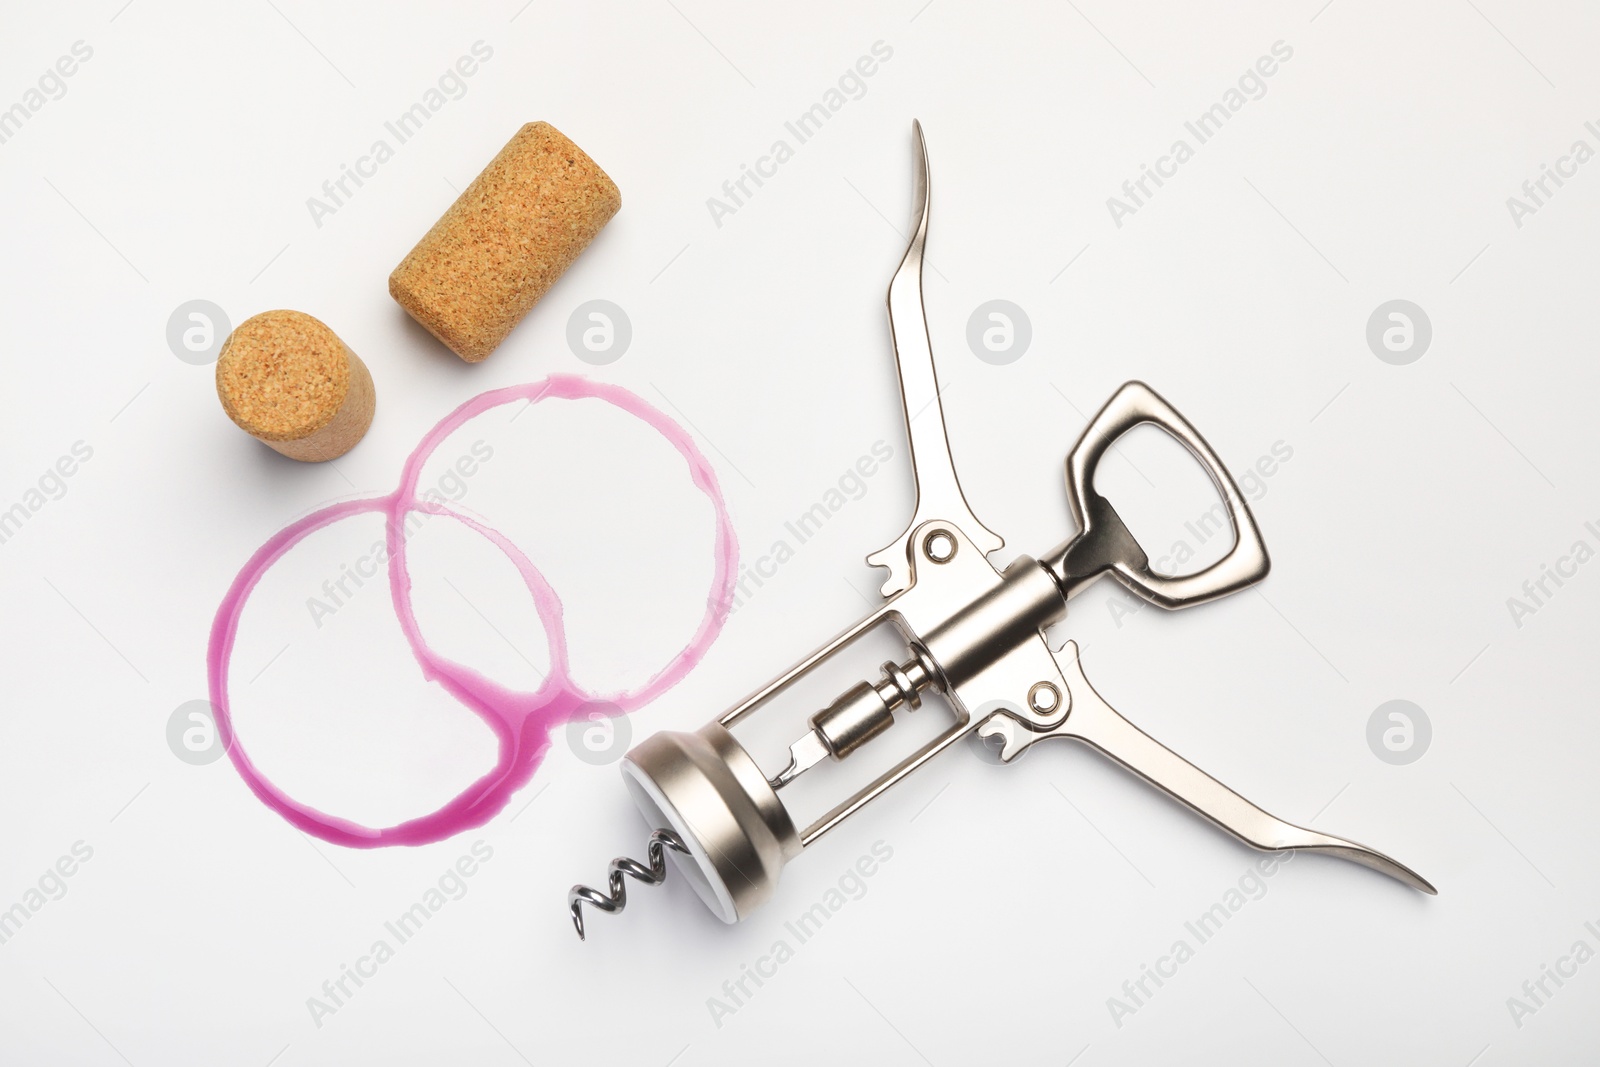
(617, 899)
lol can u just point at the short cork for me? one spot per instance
(504, 242)
(288, 381)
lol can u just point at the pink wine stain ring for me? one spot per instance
(522, 721)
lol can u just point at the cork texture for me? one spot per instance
(287, 380)
(504, 242)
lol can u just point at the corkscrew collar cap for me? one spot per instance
(706, 787)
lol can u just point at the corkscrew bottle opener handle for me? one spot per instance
(973, 633)
(1104, 542)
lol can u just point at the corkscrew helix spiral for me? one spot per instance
(617, 899)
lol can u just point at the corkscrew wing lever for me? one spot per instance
(1095, 723)
(939, 493)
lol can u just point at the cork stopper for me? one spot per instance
(504, 242)
(289, 382)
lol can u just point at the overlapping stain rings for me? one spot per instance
(522, 721)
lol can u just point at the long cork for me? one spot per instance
(288, 381)
(504, 242)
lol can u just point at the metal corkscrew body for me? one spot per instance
(973, 633)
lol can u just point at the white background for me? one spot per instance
(1376, 166)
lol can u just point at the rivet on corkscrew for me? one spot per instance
(617, 899)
